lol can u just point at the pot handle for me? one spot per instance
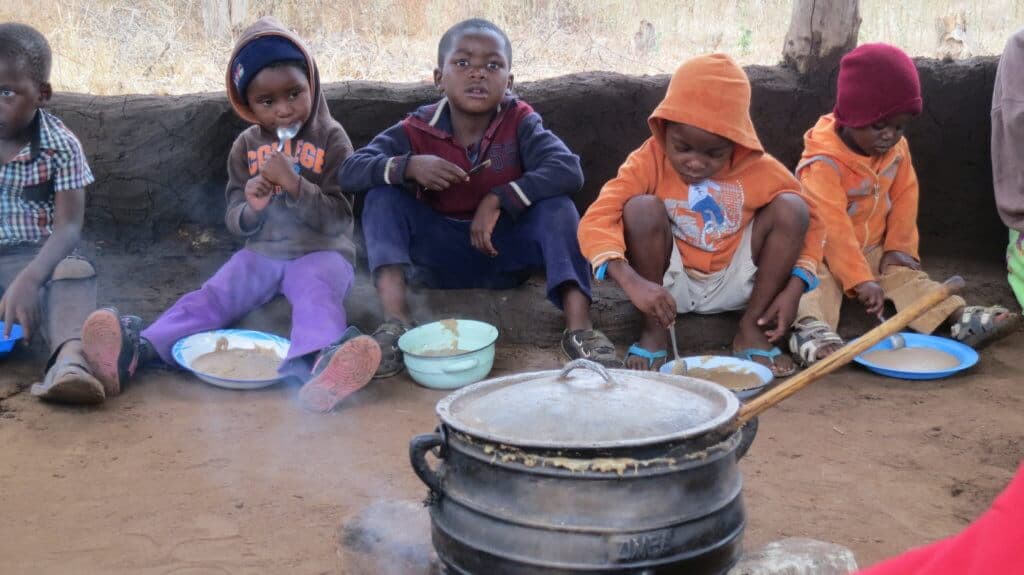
(592, 366)
(418, 448)
(461, 365)
(749, 432)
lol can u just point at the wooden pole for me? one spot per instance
(820, 33)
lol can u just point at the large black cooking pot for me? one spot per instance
(586, 470)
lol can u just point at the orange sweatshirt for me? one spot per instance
(712, 93)
(862, 201)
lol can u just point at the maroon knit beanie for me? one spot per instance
(876, 81)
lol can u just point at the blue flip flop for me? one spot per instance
(751, 352)
(650, 356)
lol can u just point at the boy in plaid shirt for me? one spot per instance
(43, 172)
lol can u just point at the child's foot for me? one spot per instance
(978, 326)
(340, 371)
(813, 340)
(590, 344)
(386, 336)
(110, 343)
(751, 344)
(68, 380)
(650, 352)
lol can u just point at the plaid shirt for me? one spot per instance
(52, 162)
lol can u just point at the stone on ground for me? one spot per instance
(797, 556)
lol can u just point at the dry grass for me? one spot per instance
(152, 46)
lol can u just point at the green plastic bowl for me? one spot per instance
(429, 356)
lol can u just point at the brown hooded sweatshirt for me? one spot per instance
(1008, 134)
(321, 219)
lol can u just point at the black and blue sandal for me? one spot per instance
(770, 354)
(652, 357)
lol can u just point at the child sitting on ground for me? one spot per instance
(283, 197)
(43, 173)
(856, 171)
(1008, 155)
(700, 219)
(473, 192)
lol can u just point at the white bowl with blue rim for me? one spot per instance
(727, 363)
(963, 353)
(188, 349)
(7, 343)
(449, 354)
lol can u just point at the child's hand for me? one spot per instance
(654, 301)
(20, 304)
(871, 297)
(258, 193)
(781, 313)
(279, 170)
(900, 259)
(484, 220)
(434, 173)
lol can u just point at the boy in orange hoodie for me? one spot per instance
(700, 219)
(856, 171)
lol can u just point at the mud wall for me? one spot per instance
(160, 161)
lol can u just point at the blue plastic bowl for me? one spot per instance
(967, 356)
(6, 345)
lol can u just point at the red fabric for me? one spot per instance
(992, 545)
(500, 144)
(876, 81)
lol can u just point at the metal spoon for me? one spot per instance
(678, 368)
(896, 340)
(285, 133)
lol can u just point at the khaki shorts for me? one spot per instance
(725, 290)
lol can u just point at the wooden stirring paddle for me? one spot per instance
(849, 351)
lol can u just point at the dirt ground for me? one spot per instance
(178, 477)
(175, 476)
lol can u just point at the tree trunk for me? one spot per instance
(820, 33)
(223, 17)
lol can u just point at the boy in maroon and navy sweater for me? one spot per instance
(473, 192)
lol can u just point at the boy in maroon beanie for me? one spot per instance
(857, 173)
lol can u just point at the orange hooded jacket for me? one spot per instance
(863, 202)
(712, 93)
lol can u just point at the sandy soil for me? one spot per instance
(178, 477)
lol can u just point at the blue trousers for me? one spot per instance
(436, 250)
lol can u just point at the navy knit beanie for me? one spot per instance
(257, 55)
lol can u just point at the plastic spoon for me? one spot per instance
(285, 133)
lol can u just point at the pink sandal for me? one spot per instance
(110, 343)
(340, 371)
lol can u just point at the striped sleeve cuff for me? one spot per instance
(513, 200)
(394, 170)
(808, 264)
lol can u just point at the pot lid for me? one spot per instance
(585, 405)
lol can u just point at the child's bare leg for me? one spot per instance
(392, 293)
(778, 234)
(649, 247)
(576, 307)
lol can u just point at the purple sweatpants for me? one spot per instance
(315, 285)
